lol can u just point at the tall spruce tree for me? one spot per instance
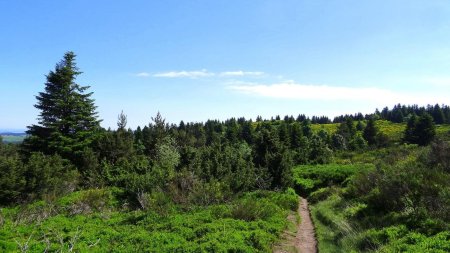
(425, 129)
(420, 130)
(370, 132)
(68, 121)
(410, 133)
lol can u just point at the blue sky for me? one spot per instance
(199, 60)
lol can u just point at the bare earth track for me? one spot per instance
(304, 241)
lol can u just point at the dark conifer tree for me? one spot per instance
(154, 133)
(370, 132)
(296, 135)
(116, 145)
(300, 118)
(67, 123)
(360, 126)
(283, 133)
(420, 130)
(138, 136)
(347, 129)
(438, 115)
(232, 130)
(270, 154)
(410, 134)
(425, 129)
(247, 132)
(306, 127)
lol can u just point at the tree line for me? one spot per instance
(440, 114)
(199, 163)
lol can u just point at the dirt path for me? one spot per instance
(304, 241)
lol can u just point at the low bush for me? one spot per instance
(156, 201)
(402, 205)
(49, 176)
(215, 228)
(308, 178)
(250, 209)
(35, 213)
(288, 200)
(207, 193)
(92, 200)
(320, 194)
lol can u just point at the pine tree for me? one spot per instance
(438, 114)
(420, 130)
(370, 132)
(296, 134)
(247, 132)
(306, 127)
(410, 134)
(271, 155)
(425, 129)
(116, 145)
(347, 129)
(67, 122)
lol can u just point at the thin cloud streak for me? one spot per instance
(292, 90)
(188, 74)
(203, 73)
(143, 74)
(241, 73)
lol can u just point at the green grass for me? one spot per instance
(329, 128)
(336, 231)
(329, 225)
(99, 222)
(373, 156)
(443, 132)
(393, 130)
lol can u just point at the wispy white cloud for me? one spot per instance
(143, 74)
(241, 73)
(188, 74)
(203, 73)
(292, 90)
(443, 82)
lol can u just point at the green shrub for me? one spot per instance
(358, 143)
(221, 211)
(287, 201)
(320, 194)
(156, 201)
(49, 176)
(207, 193)
(92, 200)
(201, 229)
(416, 242)
(309, 178)
(35, 213)
(12, 179)
(250, 209)
(355, 210)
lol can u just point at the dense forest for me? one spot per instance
(376, 182)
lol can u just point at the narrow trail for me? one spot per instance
(304, 241)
